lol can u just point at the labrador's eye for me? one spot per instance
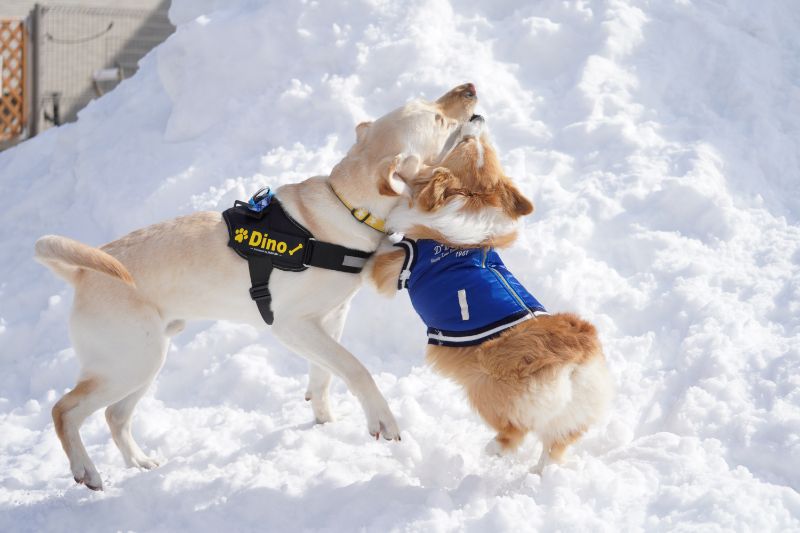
(439, 119)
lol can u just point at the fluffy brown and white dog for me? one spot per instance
(546, 374)
(133, 294)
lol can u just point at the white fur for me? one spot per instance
(479, 161)
(451, 220)
(575, 399)
(473, 128)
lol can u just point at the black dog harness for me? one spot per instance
(261, 232)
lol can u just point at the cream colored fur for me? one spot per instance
(135, 292)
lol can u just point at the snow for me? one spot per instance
(660, 142)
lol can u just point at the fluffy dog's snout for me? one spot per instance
(473, 128)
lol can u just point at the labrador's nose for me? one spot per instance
(476, 118)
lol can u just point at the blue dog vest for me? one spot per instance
(464, 295)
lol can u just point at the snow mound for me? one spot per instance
(660, 143)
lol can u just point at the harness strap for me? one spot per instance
(260, 271)
(335, 257)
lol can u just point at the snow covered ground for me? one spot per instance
(660, 142)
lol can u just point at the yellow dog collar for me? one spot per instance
(361, 214)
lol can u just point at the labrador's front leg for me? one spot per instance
(309, 338)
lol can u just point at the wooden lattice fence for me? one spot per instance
(12, 91)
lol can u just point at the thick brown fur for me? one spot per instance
(535, 345)
(384, 271)
(482, 185)
(496, 373)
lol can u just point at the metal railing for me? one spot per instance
(61, 57)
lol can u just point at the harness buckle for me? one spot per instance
(260, 292)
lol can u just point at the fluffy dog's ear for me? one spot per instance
(361, 130)
(435, 192)
(395, 173)
(514, 203)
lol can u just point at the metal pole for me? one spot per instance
(36, 28)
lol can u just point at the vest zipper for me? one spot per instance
(504, 282)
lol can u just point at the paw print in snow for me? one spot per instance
(240, 235)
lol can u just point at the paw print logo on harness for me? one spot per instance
(240, 235)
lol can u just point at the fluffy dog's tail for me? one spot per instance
(67, 257)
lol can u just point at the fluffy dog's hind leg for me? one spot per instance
(506, 441)
(553, 450)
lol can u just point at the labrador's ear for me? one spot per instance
(514, 203)
(435, 192)
(361, 130)
(395, 174)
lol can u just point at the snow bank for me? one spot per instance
(659, 142)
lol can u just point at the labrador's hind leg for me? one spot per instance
(319, 381)
(319, 378)
(69, 413)
(121, 344)
(118, 416)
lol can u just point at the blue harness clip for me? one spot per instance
(260, 200)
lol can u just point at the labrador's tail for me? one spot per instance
(67, 257)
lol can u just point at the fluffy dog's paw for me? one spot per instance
(494, 448)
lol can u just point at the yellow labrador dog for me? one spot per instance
(132, 294)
